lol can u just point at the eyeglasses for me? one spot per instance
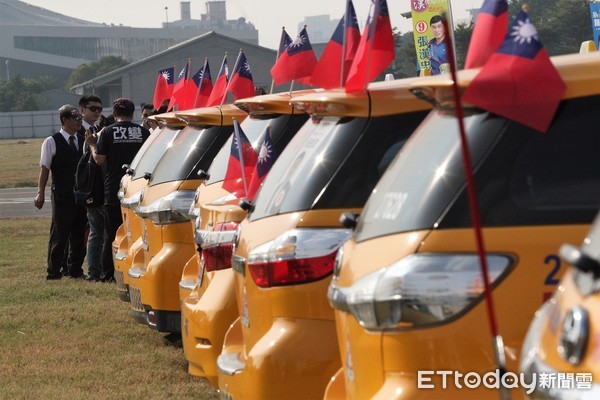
(145, 115)
(76, 118)
(95, 109)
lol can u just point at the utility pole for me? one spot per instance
(7, 70)
(167, 16)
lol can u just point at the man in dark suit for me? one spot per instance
(90, 107)
(60, 154)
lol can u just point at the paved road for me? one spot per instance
(18, 202)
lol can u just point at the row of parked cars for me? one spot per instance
(354, 272)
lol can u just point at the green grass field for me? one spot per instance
(71, 339)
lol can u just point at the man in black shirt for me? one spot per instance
(117, 145)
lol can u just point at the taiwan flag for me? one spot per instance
(297, 62)
(488, 33)
(179, 88)
(203, 83)
(284, 42)
(164, 86)
(265, 159)
(241, 84)
(376, 49)
(219, 91)
(519, 81)
(192, 91)
(242, 162)
(328, 72)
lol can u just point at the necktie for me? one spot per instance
(72, 143)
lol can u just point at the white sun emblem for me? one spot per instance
(246, 66)
(263, 154)
(166, 75)
(299, 41)
(524, 32)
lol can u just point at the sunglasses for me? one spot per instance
(95, 109)
(76, 118)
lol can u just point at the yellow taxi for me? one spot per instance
(562, 347)
(411, 320)
(167, 239)
(128, 241)
(284, 344)
(207, 293)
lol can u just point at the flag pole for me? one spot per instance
(277, 57)
(497, 342)
(229, 79)
(344, 43)
(236, 128)
(201, 82)
(375, 4)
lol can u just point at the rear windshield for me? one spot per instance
(333, 163)
(185, 152)
(522, 177)
(151, 151)
(283, 127)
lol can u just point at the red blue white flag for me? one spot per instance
(376, 49)
(241, 84)
(519, 81)
(164, 86)
(488, 33)
(242, 162)
(179, 88)
(219, 91)
(265, 159)
(203, 82)
(297, 62)
(339, 53)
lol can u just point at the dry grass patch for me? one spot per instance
(71, 339)
(19, 162)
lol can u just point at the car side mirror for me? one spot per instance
(579, 259)
(246, 205)
(202, 174)
(349, 220)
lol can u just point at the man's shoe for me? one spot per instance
(53, 277)
(108, 278)
(77, 276)
(92, 278)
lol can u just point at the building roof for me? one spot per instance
(111, 76)
(15, 12)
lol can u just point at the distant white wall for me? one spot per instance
(29, 124)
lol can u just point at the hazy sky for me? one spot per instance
(268, 16)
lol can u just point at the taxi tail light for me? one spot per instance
(172, 208)
(217, 246)
(417, 291)
(298, 256)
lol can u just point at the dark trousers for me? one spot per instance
(69, 222)
(112, 220)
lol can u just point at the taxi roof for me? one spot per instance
(387, 98)
(580, 72)
(275, 103)
(212, 116)
(170, 119)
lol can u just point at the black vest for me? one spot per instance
(64, 166)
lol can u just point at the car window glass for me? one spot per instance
(157, 145)
(533, 178)
(183, 153)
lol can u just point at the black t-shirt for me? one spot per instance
(119, 142)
